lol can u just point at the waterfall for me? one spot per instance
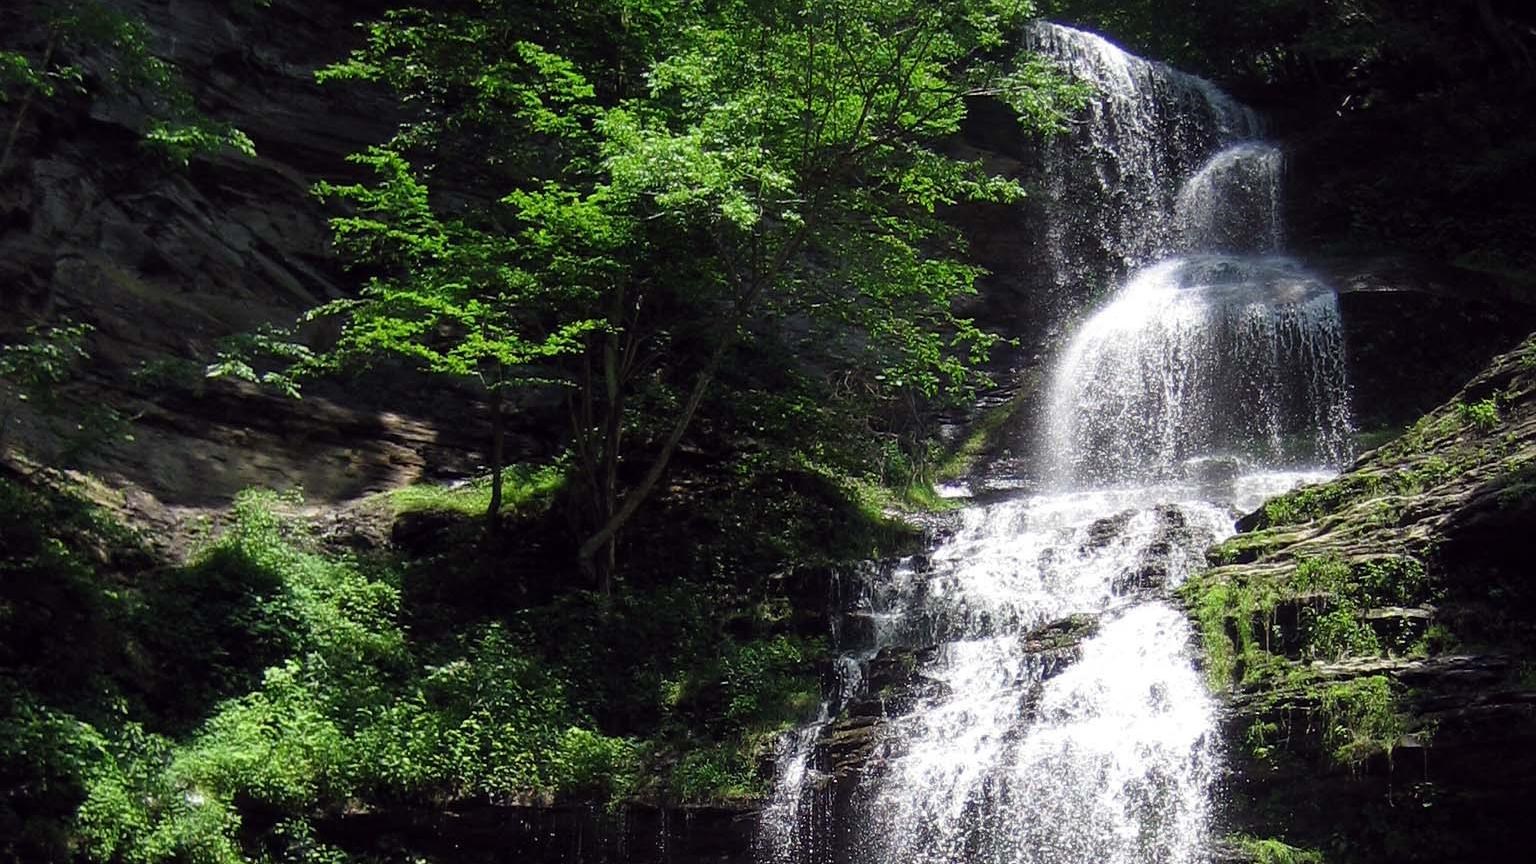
(1233, 202)
(1111, 187)
(1053, 713)
(1201, 357)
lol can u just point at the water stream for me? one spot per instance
(1212, 377)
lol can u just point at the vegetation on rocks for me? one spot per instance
(1346, 623)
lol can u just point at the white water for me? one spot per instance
(1212, 378)
(1112, 186)
(1199, 358)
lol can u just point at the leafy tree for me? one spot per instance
(678, 186)
(454, 294)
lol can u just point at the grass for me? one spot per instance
(1271, 851)
(522, 485)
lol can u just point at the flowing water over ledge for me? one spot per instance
(1057, 713)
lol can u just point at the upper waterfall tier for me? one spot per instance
(1232, 204)
(1112, 186)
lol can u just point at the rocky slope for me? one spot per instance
(1376, 637)
(164, 262)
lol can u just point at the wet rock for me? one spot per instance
(1212, 470)
(1104, 531)
(1064, 633)
(1161, 560)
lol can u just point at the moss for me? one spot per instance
(1245, 548)
(1314, 501)
(1246, 640)
(982, 437)
(1234, 621)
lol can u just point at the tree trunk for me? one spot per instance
(613, 433)
(498, 457)
(587, 555)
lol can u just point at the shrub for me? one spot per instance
(1482, 415)
(720, 773)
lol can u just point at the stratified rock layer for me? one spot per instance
(1375, 635)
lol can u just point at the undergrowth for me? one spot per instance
(272, 679)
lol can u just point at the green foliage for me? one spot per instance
(267, 677)
(981, 438)
(1482, 415)
(134, 810)
(1234, 622)
(46, 359)
(1339, 632)
(1414, 476)
(1328, 598)
(120, 45)
(461, 276)
(45, 754)
(1259, 738)
(492, 721)
(1272, 851)
(273, 680)
(44, 371)
(1360, 719)
(526, 486)
(793, 146)
(765, 684)
(714, 774)
(236, 354)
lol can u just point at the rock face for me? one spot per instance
(1416, 331)
(164, 262)
(1376, 635)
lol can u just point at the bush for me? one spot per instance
(1482, 415)
(274, 683)
(721, 773)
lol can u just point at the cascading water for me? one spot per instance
(1199, 358)
(1112, 186)
(1060, 717)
